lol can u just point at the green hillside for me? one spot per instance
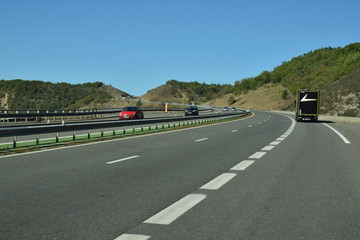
(309, 71)
(20, 94)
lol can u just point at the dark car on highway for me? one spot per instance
(191, 110)
(131, 113)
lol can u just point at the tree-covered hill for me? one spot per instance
(21, 94)
(312, 70)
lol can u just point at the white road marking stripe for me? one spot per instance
(267, 148)
(280, 139)
(250, 126)
(132, 237)
(258, 155)
(275, 143)
(123, 159)
(284, 135)
(339, 134)
(219, 181)
(203, 139)
(234, 131)
(171, 213)
(259, 122)
(242, 165)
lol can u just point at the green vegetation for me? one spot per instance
(309, 71)
(45, 95)
(200, 92)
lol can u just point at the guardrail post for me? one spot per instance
(14, 142)
(89, 133)
(37, 139)
(57, 137)
(133, 130)
(102, 132)
(142, 128)
(16, 117)
(74, 135)
(114, 132)
(124, 130)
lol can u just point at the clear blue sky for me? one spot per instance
(137, 45)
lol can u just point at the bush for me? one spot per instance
(231, 100)
(285, 94)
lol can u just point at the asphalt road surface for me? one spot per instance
(263, 177)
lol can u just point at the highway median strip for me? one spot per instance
(57, 141)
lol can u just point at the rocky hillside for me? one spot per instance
(342, 97)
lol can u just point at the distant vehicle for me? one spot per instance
(191, 110)
(307, 105)
(225, 109)
(233, 109)
(131, 113)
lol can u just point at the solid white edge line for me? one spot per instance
(218, 182)
(132, 237)
(123, 159)
(258, 155)
(280, 139)
(171, 213)
(242, 165)
(339, 134)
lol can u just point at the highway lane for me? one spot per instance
(83, 192)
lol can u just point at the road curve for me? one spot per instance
(263, 177)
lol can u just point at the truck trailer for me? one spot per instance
(307, 105)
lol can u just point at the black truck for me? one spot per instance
(307, 105)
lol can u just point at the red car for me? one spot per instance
(131, 113)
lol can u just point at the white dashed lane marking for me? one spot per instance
(171, 213)
(132, 237)
(202, 139)
(242, 165)
(258, 155)
(267, 148)
(121, 160)
(275, 143)
(219, 181)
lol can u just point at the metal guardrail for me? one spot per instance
(56, 128)
(59, 113)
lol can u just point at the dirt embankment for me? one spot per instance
(268, 97)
